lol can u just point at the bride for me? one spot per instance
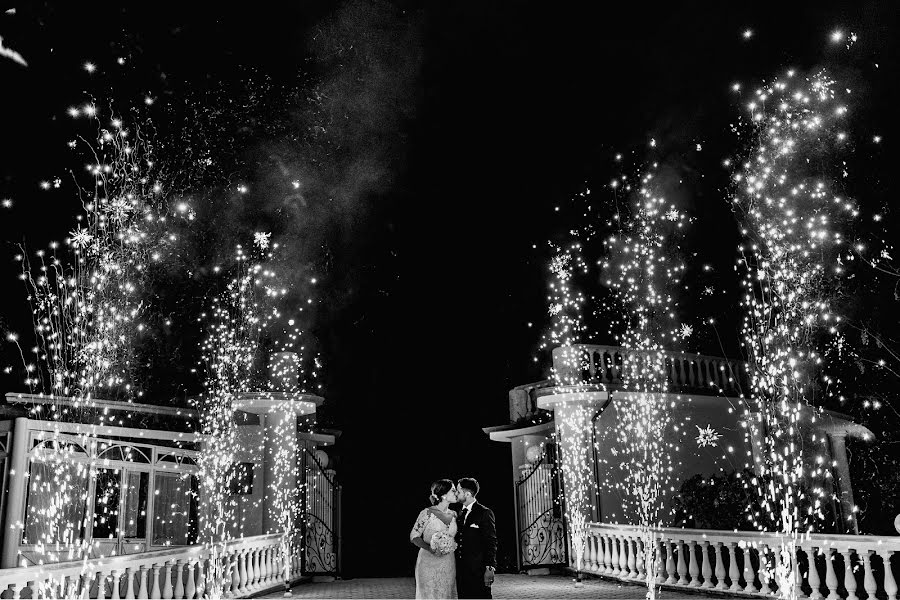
(434, 534)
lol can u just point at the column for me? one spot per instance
(14, 519)
(279, 436)
(842, 469)
(572, 414)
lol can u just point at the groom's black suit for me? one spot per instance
(476, 540)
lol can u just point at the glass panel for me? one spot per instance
(106, 504)
(174, 509)
(135, 518)
(55, 506)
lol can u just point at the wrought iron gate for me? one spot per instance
(321, 518)
(541, 527)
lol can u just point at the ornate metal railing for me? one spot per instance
(606, 365)
(321, 518)
(541, 528)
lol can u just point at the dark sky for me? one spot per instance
(473, 120)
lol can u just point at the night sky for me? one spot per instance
(448, 134)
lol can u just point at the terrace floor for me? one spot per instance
(505, 586)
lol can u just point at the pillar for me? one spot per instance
(842, 468)
(573, 413)
(14, 518)
(280, 444)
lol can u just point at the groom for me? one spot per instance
(476, 539)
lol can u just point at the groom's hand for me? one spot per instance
(488, 577)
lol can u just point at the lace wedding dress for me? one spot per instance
(435, 575)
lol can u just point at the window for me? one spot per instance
(240, 479)
(134, 521)
(106, 504)
(174, 510)
(55, 506)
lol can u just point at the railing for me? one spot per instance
(247, 566)
(841, 566)
(605, 365)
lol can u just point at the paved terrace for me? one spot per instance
(505, 586)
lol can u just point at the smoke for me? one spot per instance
(307, 156)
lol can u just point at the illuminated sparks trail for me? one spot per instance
(643, 269)
(787, 195)
(87, 314)
(573, 419)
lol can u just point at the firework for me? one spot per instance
(794, 220)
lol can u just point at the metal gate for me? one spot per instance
(321, 518)
(541, 527)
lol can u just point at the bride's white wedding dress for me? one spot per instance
(435, 575)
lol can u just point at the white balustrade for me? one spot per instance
(178, 573)
(849, 567)
(605, 364)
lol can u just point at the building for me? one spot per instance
(704, 393)
(128, 477)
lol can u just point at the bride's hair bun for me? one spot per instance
(438, 489)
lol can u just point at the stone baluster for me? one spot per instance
(706, 568)
(142, 583)
(235, 561)
(597, 552)
(631, 546)
(815, 582)
(798, 576)
(190, 588)
(640, 559)
(178, 591)
(615, 554)
(693, 567)
(749, 575)
(720, 568)
(226, 574)
(733, 574)
(115, 576)
(660, 562)
(267, 565)
(682, 564)
(761, 571)
(129, 583)
(670, 563)
(607, 554)
(623, 557)
(201, 577)
(869, 583)
(253, 569)
(831, 580)
(849, 577)
(155, 593)
(890, 584)
(586, 554)
(242, 566)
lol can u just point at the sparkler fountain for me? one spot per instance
(86, 310)
(572, 403)
(786, 194)
(642, 268)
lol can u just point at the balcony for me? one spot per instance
(687, 373)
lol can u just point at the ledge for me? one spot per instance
(507, 433)
(550, 398)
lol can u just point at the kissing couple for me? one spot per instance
(457, 548)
